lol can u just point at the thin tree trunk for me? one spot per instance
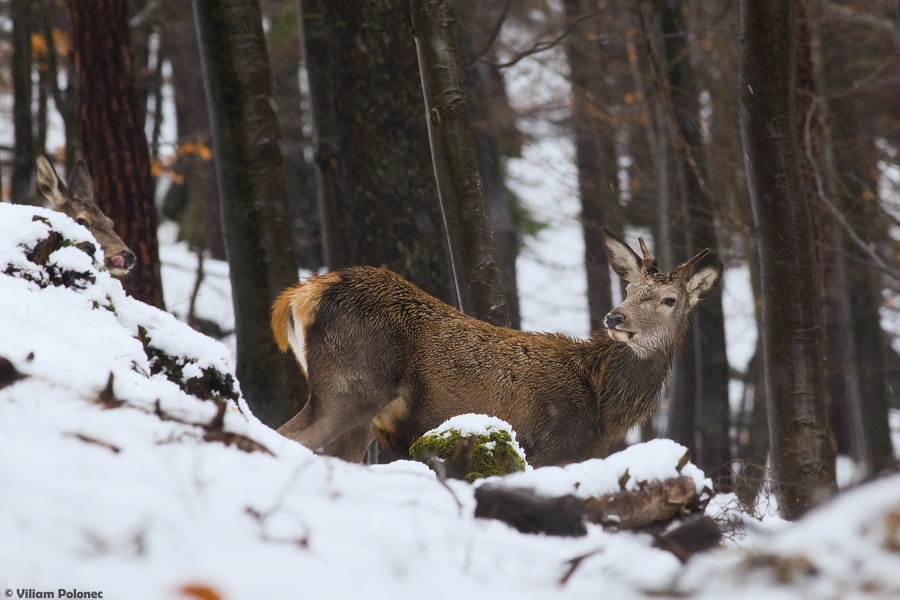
(199, 213)
(801, 450)
(842, 375)
(595, 155)
(63, 99)
(23, 138)
(707, 339)
(855, 161)
(113, 141)
(460, 190)
(252, 187)
(496, 136)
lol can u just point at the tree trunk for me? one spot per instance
(801, 451)
(198, 210)
(460, 190)
(23, 138)
(855, 180)
(841, 368)
(707, 340)
(113, 141)
(285, 42)
(63, 99)
(252, 187)
(595, 155)
(378, 194)
(496, 136)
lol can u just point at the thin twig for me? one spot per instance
(866, 247)
(666, 101)
(471, 62)
(191, 316)
(547, 45)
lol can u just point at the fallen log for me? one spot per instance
(529, 512)
(650, 502)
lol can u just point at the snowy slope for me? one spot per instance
(140, 491)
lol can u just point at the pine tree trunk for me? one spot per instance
(113, 141)
(252, 187)
(791, 330)
(460, 190)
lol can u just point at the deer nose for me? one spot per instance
(614, 319)
(123, 260)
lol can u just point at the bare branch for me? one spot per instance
(471, 62)
(547, 45)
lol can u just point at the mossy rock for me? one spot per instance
(495, 451)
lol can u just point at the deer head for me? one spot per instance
(77, 201)
(654, 314)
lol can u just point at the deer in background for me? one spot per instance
(77, 201)
(384, 360)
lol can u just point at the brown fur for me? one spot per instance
(387, 360)
(77, 201)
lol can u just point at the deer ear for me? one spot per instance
(703, 283)
(49, 185)
(80, 185)
(622, 258)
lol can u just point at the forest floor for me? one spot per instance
(120, 475)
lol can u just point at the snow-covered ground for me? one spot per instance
(116, 478)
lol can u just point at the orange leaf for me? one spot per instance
(200, 592)
(39, 45)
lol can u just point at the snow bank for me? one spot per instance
(120, 474)
(112, 482)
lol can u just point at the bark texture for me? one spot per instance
(252, 187)
(460, 189)
(801, 452)
(113, 140)
(376, 187)
(654, 501)
(496, 137)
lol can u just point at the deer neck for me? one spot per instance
(628, 382)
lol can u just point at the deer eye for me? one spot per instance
(670, 301)
(81, 221)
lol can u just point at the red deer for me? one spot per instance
(385, 360)
(77, 201)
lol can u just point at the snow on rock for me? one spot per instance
(473, 424)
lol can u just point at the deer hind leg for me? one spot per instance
(352, 446)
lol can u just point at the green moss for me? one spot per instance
(493, 453)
